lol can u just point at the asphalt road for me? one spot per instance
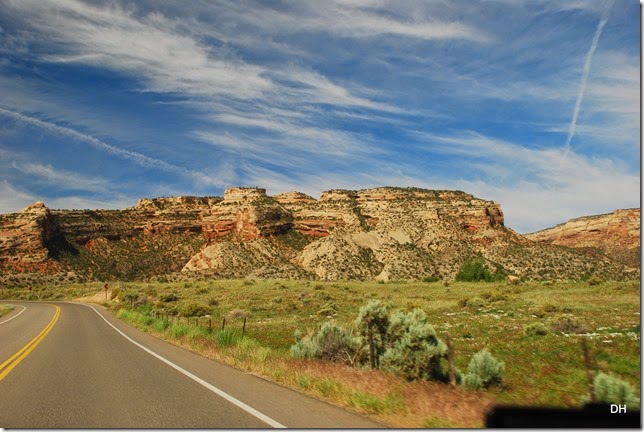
(82, 372)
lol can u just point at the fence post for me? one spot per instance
(223, 323)
(209, 325)
(450, 360)
(372, 351)
(244, 328)
(589, 371)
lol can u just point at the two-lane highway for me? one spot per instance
(90, 370)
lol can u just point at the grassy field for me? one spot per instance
(540, 369)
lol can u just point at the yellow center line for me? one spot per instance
(13, 361)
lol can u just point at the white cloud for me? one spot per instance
(135, 157)
(12, 199)
(62, 178)
(539, 188)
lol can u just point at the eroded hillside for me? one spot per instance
(382, 233)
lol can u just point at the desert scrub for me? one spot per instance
(414, 351)
(536, 329)
(568, 324)
(484, 371)
(330, 343)
(612, 390)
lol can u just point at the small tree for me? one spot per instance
(474, 270)
(414, 350)
(372, 324)
(483, 371)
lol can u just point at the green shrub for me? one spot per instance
(330, 343)
(194, 310)
(548, 307)
(615, 391)
(430, 279)
(304, 348)
(475, 302)
(414, 350)
(474, 270)
(167, 298)
(568, 324)
(473, 381)
(594, 280)
(536, 329)
(484, 371)
(372, 324)
(213, 302)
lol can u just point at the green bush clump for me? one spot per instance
(414, 350)
(373, 323)
(594, 280)
(483, 371)
(167, 298)
(536, 329)
(613, 390)
(330, 343)
(474, 270)
(568, 324)
(194, 309)
(430, 279)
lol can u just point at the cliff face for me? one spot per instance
(24, 238)
(616, 234)
(381, 233)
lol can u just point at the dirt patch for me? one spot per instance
(99, 297)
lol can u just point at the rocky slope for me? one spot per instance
(615, 234)
(382, 233)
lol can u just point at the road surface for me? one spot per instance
(67, 365)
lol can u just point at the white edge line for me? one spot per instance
(24, 308)
(207, 385)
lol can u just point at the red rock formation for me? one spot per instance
(23, 239)
(247, 214)
(615, 233)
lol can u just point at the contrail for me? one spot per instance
(135, 157)
(584, 78)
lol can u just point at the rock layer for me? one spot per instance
(380, 233)
(617, 234)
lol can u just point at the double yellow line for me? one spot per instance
(12, 362)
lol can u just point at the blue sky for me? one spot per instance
(533, 104)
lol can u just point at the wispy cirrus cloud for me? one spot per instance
(137, 158)
(542, 187)
(314, 95)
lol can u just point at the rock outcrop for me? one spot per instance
(616, 234)
(384, 233)
(26, 239)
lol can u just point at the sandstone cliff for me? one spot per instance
(381, 233)
(616, 234)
